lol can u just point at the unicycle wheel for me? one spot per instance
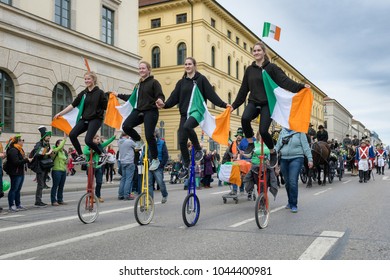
(261, 212)
(191, 210)
(144, 209)
(87, 210)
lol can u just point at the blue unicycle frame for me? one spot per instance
(191, 206)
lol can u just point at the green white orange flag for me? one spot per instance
(230, 172)
(116, 114)
(271, 30)
(290, 110)
(215, 127)
(66, 122)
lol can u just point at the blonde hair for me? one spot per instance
(263, 47)
(93, 75)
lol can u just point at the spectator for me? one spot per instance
(126, 156)
(110, 164)
(322, 134)
(71, 156)
(208, 169)
(58, 173)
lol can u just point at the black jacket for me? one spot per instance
(37, 156)
(15, 162)
(149, 91)
(95, 103)
(182, 93)
(253, 83)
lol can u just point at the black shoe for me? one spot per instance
(249, 150)
(79, 160)
(198, 155)
(273, 160)
(40, 204)
(183, 174)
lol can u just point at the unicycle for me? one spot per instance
(88, 206)
(191, 207)
(262, 202)
(144, 204)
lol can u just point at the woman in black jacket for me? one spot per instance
(257, 101)
(94, 102)
(149, 91)
(182, 95)
(16, 160)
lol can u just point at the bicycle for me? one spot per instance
(88, 206)
(262, 203)
(191, 207)
(144, 204)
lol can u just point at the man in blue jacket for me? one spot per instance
(158, 174)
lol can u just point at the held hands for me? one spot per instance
(160, 104)
(114, 93)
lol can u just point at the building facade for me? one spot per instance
(338, 120)
(170, 31)
(42, 46)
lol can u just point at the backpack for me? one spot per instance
(111, 158)
(34, 163)
(6, 166)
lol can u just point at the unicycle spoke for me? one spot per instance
(261, 212)
(87, 209)
(191, 210)
(144, 209)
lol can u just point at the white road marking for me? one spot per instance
(321, 245)
(252, 219)
(318, 193)
(220, 192)
(386, 178)
(67, 241)
(10, 216)
(347, 181)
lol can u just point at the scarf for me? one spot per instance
(19, 147)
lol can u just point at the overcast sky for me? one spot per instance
(341, 46)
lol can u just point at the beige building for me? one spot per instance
(169, 31)
(338, 120)
(42, 46)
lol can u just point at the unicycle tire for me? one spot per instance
(87, 210)
(191, 210)
(261, 212)
(144, 209)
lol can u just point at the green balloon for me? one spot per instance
(6, 185)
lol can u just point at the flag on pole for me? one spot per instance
(290, 110)
(116, 114)
(271, 30)
(215, 127)
(67, 121)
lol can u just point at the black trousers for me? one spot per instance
(149, 118)
(91, 127)
(186, 131)
(251, 112)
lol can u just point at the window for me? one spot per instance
(245, 46)
(230, 98)
(155, 23)
(213, 56)
(156, 57)
(229, 66)
(212, 22)
(212, 104)
(62, 12)
(213, 146)
(9, 2)
(237, 40)
(237, 69)
(251, 49)
(107, 132)
(181, 18)
(61, 98)
(107, 26)
(181, 53)
(229, 34)
(238, 111)
(7, 100)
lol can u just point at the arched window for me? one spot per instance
(229, 66)
(212, 56)
(212, 104)
(107, 131)
(7, 102)
(230, 98)
(61, 98)
(181, 53)
(156, 57)
(244, 68)
(237, 69)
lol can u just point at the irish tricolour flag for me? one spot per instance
(271, 30)
(215, 127)
(116, 114)
(230, 172)
(290, 110)
(66, 122)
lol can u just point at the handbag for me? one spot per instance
(46, 163)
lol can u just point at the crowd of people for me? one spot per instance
(291, 146)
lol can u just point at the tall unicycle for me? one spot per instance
(144, 204)
(88, 206)
(262, 203)
(191, 206)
